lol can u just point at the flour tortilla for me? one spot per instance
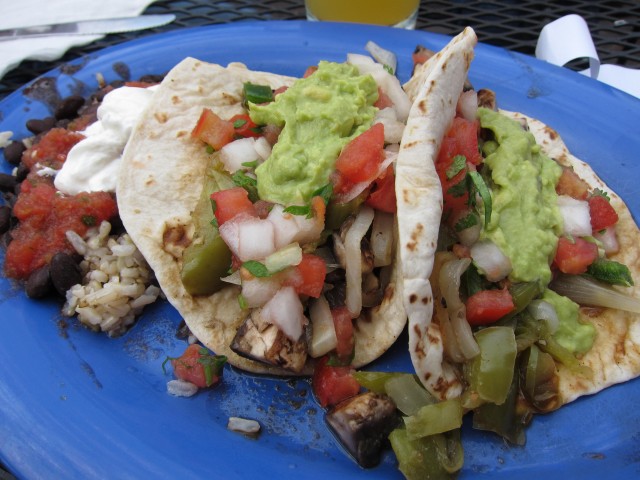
(434, 89)
(615, 355)
(159, 184)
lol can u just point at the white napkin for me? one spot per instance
(25, 13)
(568, 38)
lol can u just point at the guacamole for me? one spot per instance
(573, 335)
(319, 114)
(525, 219)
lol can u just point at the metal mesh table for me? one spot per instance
(511, 24)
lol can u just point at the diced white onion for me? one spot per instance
(490, 260)
(289, 228)
(576, 216)
(541, 310)
(393, 128)
(468, 105)
(382, 55)
(255, 239)
(382, 238)
(323, 332)
(353, 256)
(258, 291)
(240, 151)
(609, 240)
(285, 311)
(387, 82)
(263, 148)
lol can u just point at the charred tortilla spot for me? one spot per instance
(161, 117)
(410, 144)
(417, 232)
(551, 132)
(426, 300)
(413, 298)
(182, 133)
(389, 292)
(434, 340)
(175, 99)
(412, 246)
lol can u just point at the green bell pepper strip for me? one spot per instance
(490, 374)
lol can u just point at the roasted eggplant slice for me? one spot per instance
(362, 424)
(264, 342)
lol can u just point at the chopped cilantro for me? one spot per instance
(256, 268)
(465, 222)
(250, 184)
(459, 164)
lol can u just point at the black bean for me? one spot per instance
(39, 125)
(7, 182)
(65, 272)
(13, 152)
(21, 172)
(38, 284)
(5, 218)
(10, 198)
(68, 107)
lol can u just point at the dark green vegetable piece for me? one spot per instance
(538, 379)
(257, 93)
(508, 420)
(611, 272)
(207, 259)
(435, 457)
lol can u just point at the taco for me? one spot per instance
(272, 254)
(536, 268)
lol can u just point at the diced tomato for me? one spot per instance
(343, 325)
(488, 306)
(572, 185)
(383, 101)
(574, 256)
(331, 385)
(383, 195)
(603, 214)
(461, 139)
(308, 276)
(213, 130)
(465, 134)
(244, 126)
(361, 157)
(232, 202)
(194, 365)
(310, 70)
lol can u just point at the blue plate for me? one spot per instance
(78, 405)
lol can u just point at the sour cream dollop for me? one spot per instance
(92, 164)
